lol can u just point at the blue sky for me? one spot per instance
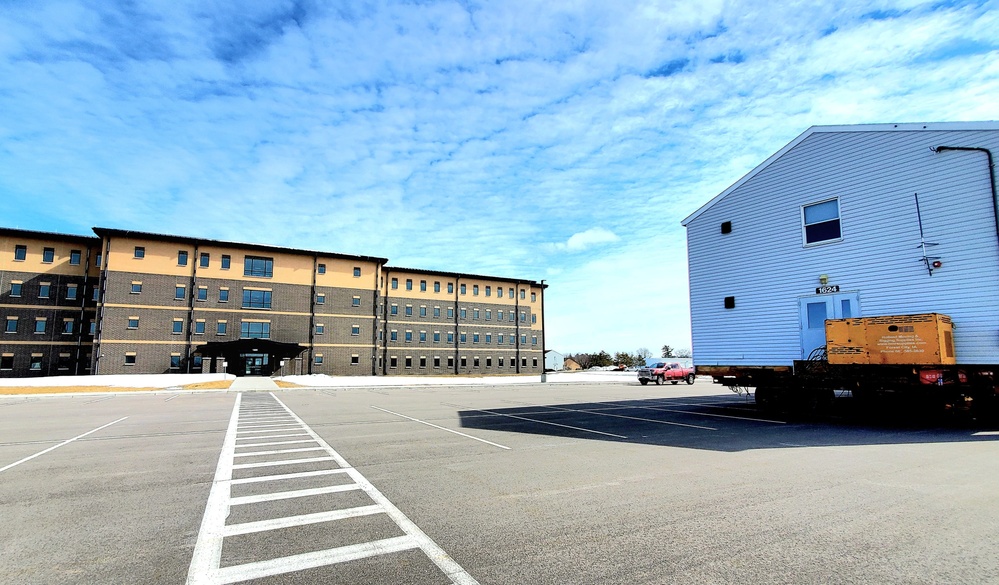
(536, 140)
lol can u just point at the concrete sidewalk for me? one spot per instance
(253, 384)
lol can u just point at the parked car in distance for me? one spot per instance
(661, 372)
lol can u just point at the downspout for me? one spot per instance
(516, 320)
(101, 283)
(312, 311)
(457, 336)
(544, 355)
(374, 321)
(83, 315)
(385, 319)
(992, 176)
(190, 307)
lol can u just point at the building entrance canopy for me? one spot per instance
(249, 357)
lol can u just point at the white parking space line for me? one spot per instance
(171, 398)
(652, 420)
(314, 559)
(274, 496)
(423, 422)
(978, 434)
(302, 520)
(542, 422)
(663, 409)
(206, 561)
(54, 447)
(287, 476)
(282, 462)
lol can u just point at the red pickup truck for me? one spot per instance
(660, 372)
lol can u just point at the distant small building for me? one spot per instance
(554, 361)
(571, 365)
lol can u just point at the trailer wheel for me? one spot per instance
(766, 398)
(690, 379)
(659, 380)
(644, 381)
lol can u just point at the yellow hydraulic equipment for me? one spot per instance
(926, 339)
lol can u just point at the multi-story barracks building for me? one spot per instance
(132, 302)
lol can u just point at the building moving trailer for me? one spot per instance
(812, 272)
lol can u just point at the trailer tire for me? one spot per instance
(690, 379)
(644, 381)
(766, 398)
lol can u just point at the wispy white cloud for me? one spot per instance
(490, 138)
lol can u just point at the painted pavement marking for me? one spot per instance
(441, 428)
(54, 447)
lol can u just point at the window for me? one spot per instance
(180, 291)
(450, 361)
(409, 284)
(178, 326)
(511, 296)
(437, 361)
(223, 295)
(534, 340)
(136, 288)
(463, 289)
(534, 297)
(96, 294)
(464, 313)
(489, 314)
(7, 361)
(319, 358)
(355, 359)
(140, 252)
(48, 255)
(534, 362)
(74, 257)
(11, 326)
(423, 286)
(423, 336)
(523, 295)
(523, 317)
(489, 290)
(199, 327)
(534, 317)
(321, 269)
(68, 325)
(40, 323)
(254, 330)
(475, 338)
(181, 257)
(512, 317)
(357, 273)
(205, 259)
(71, 292)
(437, 311)
(523, 339)
(450, 312)
(437, 336)
(394, 309)
(320, 329)
(450, 287)
(409, 310)
(98, 261)
(821, 221)
(393, 335)
(499, 362)
(133, 323)
(130, 358)
(355, 329)
(464, 361)
(321, 298)
(92, 327)
(256, 266)
(409, 361)
(499, 315)
(423, 361)
(36, 361)
(475, 290)
(355, 301)
(489, 362)
(258, 299)
(174, 361)
(499, 339)
(395, 283)
(44, 289)
(202, 293)
(475, 361)
(489, 337)
(450, 337)
(20, 252)
(15, 288)
(437, 286)
(409, 336)
(393, 362)
(220, 328)
(475, 313)
(463, 337)
(226, 261)
(523, 362)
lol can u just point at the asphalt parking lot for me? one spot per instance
(556, 483)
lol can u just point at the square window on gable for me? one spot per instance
(821, 222)
(357, 272)
(321, 269)
(140, 252)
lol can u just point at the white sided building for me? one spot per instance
(849, 221)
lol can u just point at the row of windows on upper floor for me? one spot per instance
(462, 288)
(48, 255)
(463, 313)
(463, 361)
(252, 298)
(46, 290)
(423, 336)
(252, 265)
(41, 326)
(64, 361)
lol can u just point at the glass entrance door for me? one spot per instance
(255, 364)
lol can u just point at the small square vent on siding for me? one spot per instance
(726, 227)
(729, 302)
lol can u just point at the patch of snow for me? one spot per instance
(120, 381)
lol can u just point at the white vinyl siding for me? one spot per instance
(763, 264)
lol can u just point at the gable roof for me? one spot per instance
(910, 127)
